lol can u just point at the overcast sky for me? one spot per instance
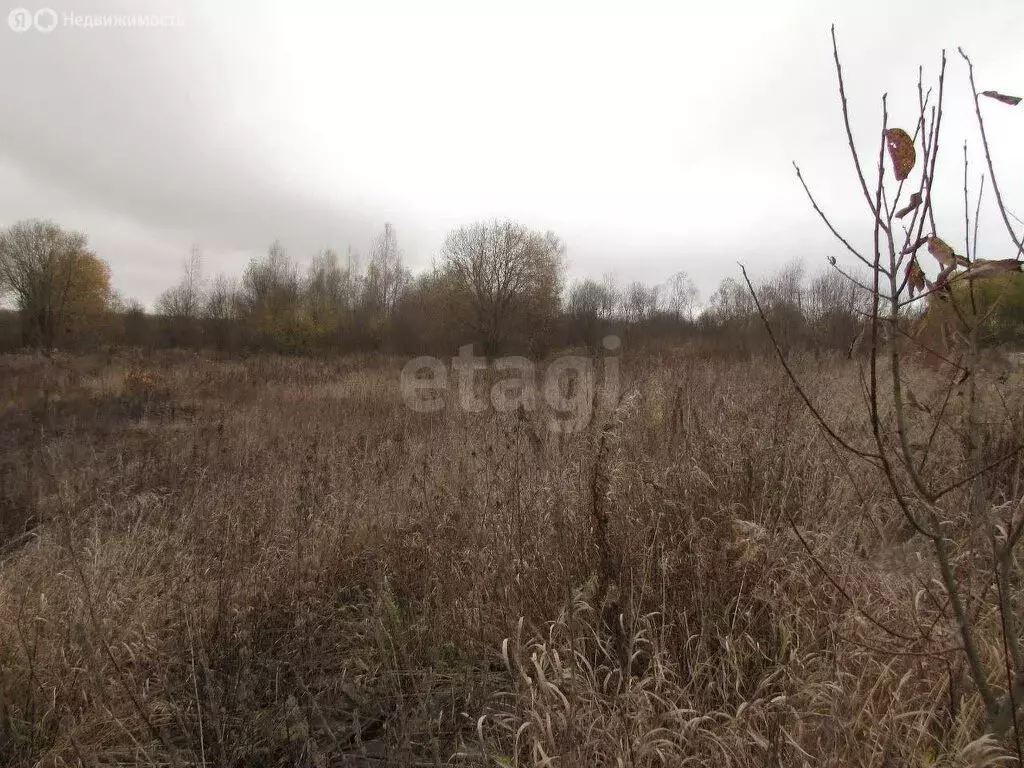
(653, 137)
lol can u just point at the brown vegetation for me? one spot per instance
(274, 562)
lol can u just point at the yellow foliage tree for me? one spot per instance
(58, 285)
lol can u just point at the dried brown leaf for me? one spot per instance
(915, 277)
(1013, 101)
(901, 151)
(913, 203)
(944, 254)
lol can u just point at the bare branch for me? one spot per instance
(839, 588)
(1018, 241)
(792, 377)
(849, 130)
(825, 218)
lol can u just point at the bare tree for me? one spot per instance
(590, 306)
(639, 302)
(329, 289)
(611, 296)
(270, 286)
(586, 299)
(386, 279)
(185, 300)
(679, 296)
(730, 302)
(221, 299)
(955, 502)
(835, 308)
(508, 277)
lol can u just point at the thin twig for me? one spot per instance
(825, 572)
(1017, 241)
(792, 377)
(849, 130)
(825, 218)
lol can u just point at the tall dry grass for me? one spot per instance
(274, 562)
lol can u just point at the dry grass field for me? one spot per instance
(274, 562)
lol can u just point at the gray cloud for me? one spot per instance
(651, 139)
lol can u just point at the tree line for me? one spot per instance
(498, 284)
